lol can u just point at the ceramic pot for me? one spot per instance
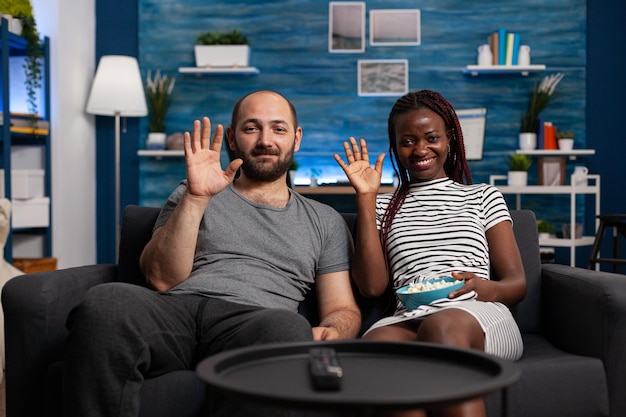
(527, 141)
(156, 140)
(566, 144)
(517, 178)
(222, 55)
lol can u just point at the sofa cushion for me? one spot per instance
(554, 383)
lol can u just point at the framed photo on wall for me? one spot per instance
(346, 27)
(395, 27)
(383, 77)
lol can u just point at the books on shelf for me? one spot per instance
(547, 136)
(30, 124)
(504, 47)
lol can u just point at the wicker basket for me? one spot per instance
(30, 265)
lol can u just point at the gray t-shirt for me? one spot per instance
(255, 254)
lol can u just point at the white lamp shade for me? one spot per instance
(117, 88)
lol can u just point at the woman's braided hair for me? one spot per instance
(456, 167)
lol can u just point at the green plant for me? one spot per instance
(542, 95)
(32, 62)
(159, 93)
(23, 10)
(294, 165)
(315, 172)
(544, 226)
(566, 134)
(519, 162)
(232, 37)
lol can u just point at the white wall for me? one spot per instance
(70, 25)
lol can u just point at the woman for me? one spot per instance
(436, 224)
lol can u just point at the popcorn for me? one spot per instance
(428, 286)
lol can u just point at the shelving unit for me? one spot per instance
(523, 70)
(220, 70)
(572, 191)
(12, 45)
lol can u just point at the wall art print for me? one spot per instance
(383, 77)
(396, 27)
(346, 27)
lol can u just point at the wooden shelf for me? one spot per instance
(219, 70)
(523, 70)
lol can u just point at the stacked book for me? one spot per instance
(546, 136)
(504, 47)
(29, 124)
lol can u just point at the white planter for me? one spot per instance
(566, 144)
(222, 55)
(156, 140)
(527, 141)
(517, 178)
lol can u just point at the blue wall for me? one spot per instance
(289, 41)
(289, 46)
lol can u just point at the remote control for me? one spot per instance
(325, 370)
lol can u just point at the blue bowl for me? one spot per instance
(415, 299)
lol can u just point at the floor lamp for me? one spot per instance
(117, 90)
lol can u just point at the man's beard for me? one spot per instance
(266, 171)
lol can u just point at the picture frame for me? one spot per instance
(346, 27)
(397, 27)
(383, 77)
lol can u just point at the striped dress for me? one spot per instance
(441, 228)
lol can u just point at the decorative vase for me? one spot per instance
(156, 140)
(517, 178)
(527, 141)
(222, 55)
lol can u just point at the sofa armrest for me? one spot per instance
(584, 313)
(35, 309)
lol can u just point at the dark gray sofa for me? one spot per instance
(573, 322)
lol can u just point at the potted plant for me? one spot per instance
(566, 140)
(227, 49)
(22, 10)
(159, 96)
(519, 164)
(542, 95)
(545, 229)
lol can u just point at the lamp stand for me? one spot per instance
(117, 184)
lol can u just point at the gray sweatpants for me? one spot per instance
(123, 333)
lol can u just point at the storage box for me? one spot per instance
(25, 183)
(30, 265)
(33, 212)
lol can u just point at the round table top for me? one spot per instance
(375, 374)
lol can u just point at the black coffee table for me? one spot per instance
(376, 375)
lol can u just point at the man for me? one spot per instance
(230, 260)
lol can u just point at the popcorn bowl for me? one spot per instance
(442, 287)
